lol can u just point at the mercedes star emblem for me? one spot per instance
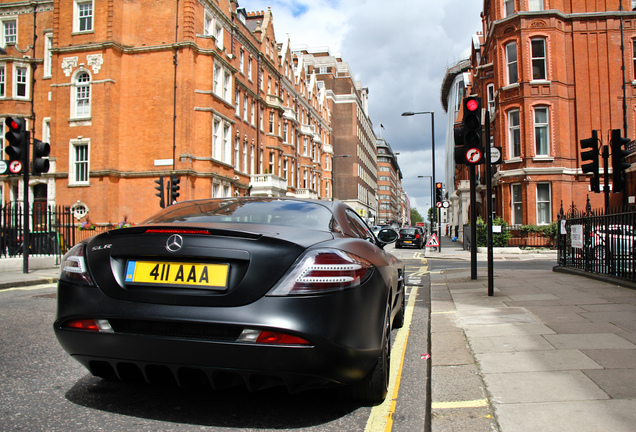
(174, 243)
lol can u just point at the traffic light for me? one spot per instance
(41, 151)
(619, 164)
(174, 189)
(17, 137)
(439, 194)
(160, 193)
(591, 156)
(468, 134)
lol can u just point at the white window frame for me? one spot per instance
(544, 207)
(26, 80)
(3, 80)
(208, 24)
(514, 134)
(79, 19)
(509, 7)
(490, 92)
(48, 55)
(76, 95)
(513, 213)
(541, 62)
(79, 168)
(218, 34)
(536, 5)
(512, 64)
(542, 129)
(9, 37)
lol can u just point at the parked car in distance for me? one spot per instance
(621, 238)
(248, 291)
(411, 236)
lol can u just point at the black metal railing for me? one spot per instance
(51, 230)
(598, 242)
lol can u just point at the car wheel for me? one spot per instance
(375, 386)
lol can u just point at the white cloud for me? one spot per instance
(399, 50)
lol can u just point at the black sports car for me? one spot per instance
(237, 291)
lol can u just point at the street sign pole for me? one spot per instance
(25, 221)
(473, 222)
(491, 282)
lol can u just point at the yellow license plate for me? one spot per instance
(195, 275)
(408, 241)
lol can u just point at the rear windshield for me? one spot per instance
(262, 211)
(407, 231)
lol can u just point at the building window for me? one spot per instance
(48, 56)
(538, 59)
(244, 165)
(535, 5)
(82, 95)
(514, 134)
(237, 153)
(511, 61)
(249, 68)
(9, 32)
(79, 163)
(517, 204)
(217, 146)
(542, 131)
(509, 7)
(634, 57)
(3, 81)
(21, 83)
(271, 162)
(242, 61)
(207, 24)
(83, 13)
(227, 82)
(491, 99)
(245, 108)
(218, 34)
(544, 213)
(271, 122)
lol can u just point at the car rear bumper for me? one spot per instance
(345, 339)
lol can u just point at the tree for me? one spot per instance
(416, 216)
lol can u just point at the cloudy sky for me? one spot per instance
(398, 49)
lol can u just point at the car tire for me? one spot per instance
(375, 386)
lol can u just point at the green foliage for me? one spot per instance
(549, 231)
(498, 239)
(416, 216)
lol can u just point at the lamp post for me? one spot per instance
(432, 113)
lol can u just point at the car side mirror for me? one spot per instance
(387, 236)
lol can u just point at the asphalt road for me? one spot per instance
(43, 389)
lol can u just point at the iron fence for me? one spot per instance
(598, 242)
(51, 230)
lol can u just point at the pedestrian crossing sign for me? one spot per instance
(433, 241)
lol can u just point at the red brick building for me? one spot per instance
(126, 92)
(549, 72)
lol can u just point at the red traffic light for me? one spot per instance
(438, 185)
(472, 104)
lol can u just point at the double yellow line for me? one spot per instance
(381, 418)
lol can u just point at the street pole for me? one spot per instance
(25, 220)
(491, 281)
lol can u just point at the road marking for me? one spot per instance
(460, 404)
(381, 418)
(443, 312)
(30, 288)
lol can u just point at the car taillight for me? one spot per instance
(74, 268)
(417, 236)
(97, 325)
(270, 337)
(324, 270)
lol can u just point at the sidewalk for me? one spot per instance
(550, 351)
(42, 270)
